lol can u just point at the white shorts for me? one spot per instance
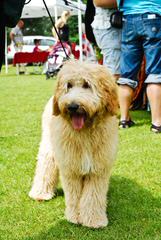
(109, 41)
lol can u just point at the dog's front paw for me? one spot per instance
(94, 222)
(71, 216)
(40, 195)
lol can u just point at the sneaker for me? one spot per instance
(126, 124)
(156, 129)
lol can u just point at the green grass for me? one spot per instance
(134, 199)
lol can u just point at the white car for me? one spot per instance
(28, 46)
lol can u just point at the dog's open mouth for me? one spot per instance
(78, 120)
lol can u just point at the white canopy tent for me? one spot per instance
(36, 9)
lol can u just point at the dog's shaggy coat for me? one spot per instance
(79, 141)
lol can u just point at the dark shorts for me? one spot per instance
(141, 35)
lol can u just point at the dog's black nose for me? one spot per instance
(73, 107)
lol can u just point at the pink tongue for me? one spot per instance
(77, 122)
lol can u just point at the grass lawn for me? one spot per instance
(134, 199)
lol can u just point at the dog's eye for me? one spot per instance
(86, 85)
(69, 85)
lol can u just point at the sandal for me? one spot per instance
(156, 129)
(126, 124)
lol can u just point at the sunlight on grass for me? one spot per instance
(134, 199)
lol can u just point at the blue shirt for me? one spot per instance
(140, 6)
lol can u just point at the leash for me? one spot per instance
(27, 2)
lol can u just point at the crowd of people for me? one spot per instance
(123, 52)
(57, 53)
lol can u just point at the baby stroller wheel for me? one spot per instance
(47, 75)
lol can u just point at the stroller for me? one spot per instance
(56, 58)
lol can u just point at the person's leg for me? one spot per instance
(152, 49)
(116, 76)
(109, 41)
(125, 99)
(131, 58)
(154, 96)
(126, 93)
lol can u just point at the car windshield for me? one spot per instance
(47, 42)
(28, 41)
(43, 42)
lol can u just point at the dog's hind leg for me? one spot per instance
(46, 176)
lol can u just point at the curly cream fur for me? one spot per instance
(83, 158)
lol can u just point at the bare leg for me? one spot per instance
(46, 176)
(93, 202)
(116, 76)
(72, 186)
(154, 96)
(125, 99)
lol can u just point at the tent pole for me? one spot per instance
(6, 60)
(56, 11)
(80, 29)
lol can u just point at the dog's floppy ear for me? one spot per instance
(109, 92)
(112, 104)
(56, 110)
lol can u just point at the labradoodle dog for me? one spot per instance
(79, 142)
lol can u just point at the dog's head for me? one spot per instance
(84, 91)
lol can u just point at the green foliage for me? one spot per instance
(99, 55)
(73, 26)
(38, 26)
(134, 197)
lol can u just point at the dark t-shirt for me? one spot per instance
(64, 33)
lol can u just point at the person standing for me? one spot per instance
(62, 27)
(10, 12)
(16, 36)
(141, 35)
(107, 37)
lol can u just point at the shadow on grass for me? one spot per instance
(133, 214)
